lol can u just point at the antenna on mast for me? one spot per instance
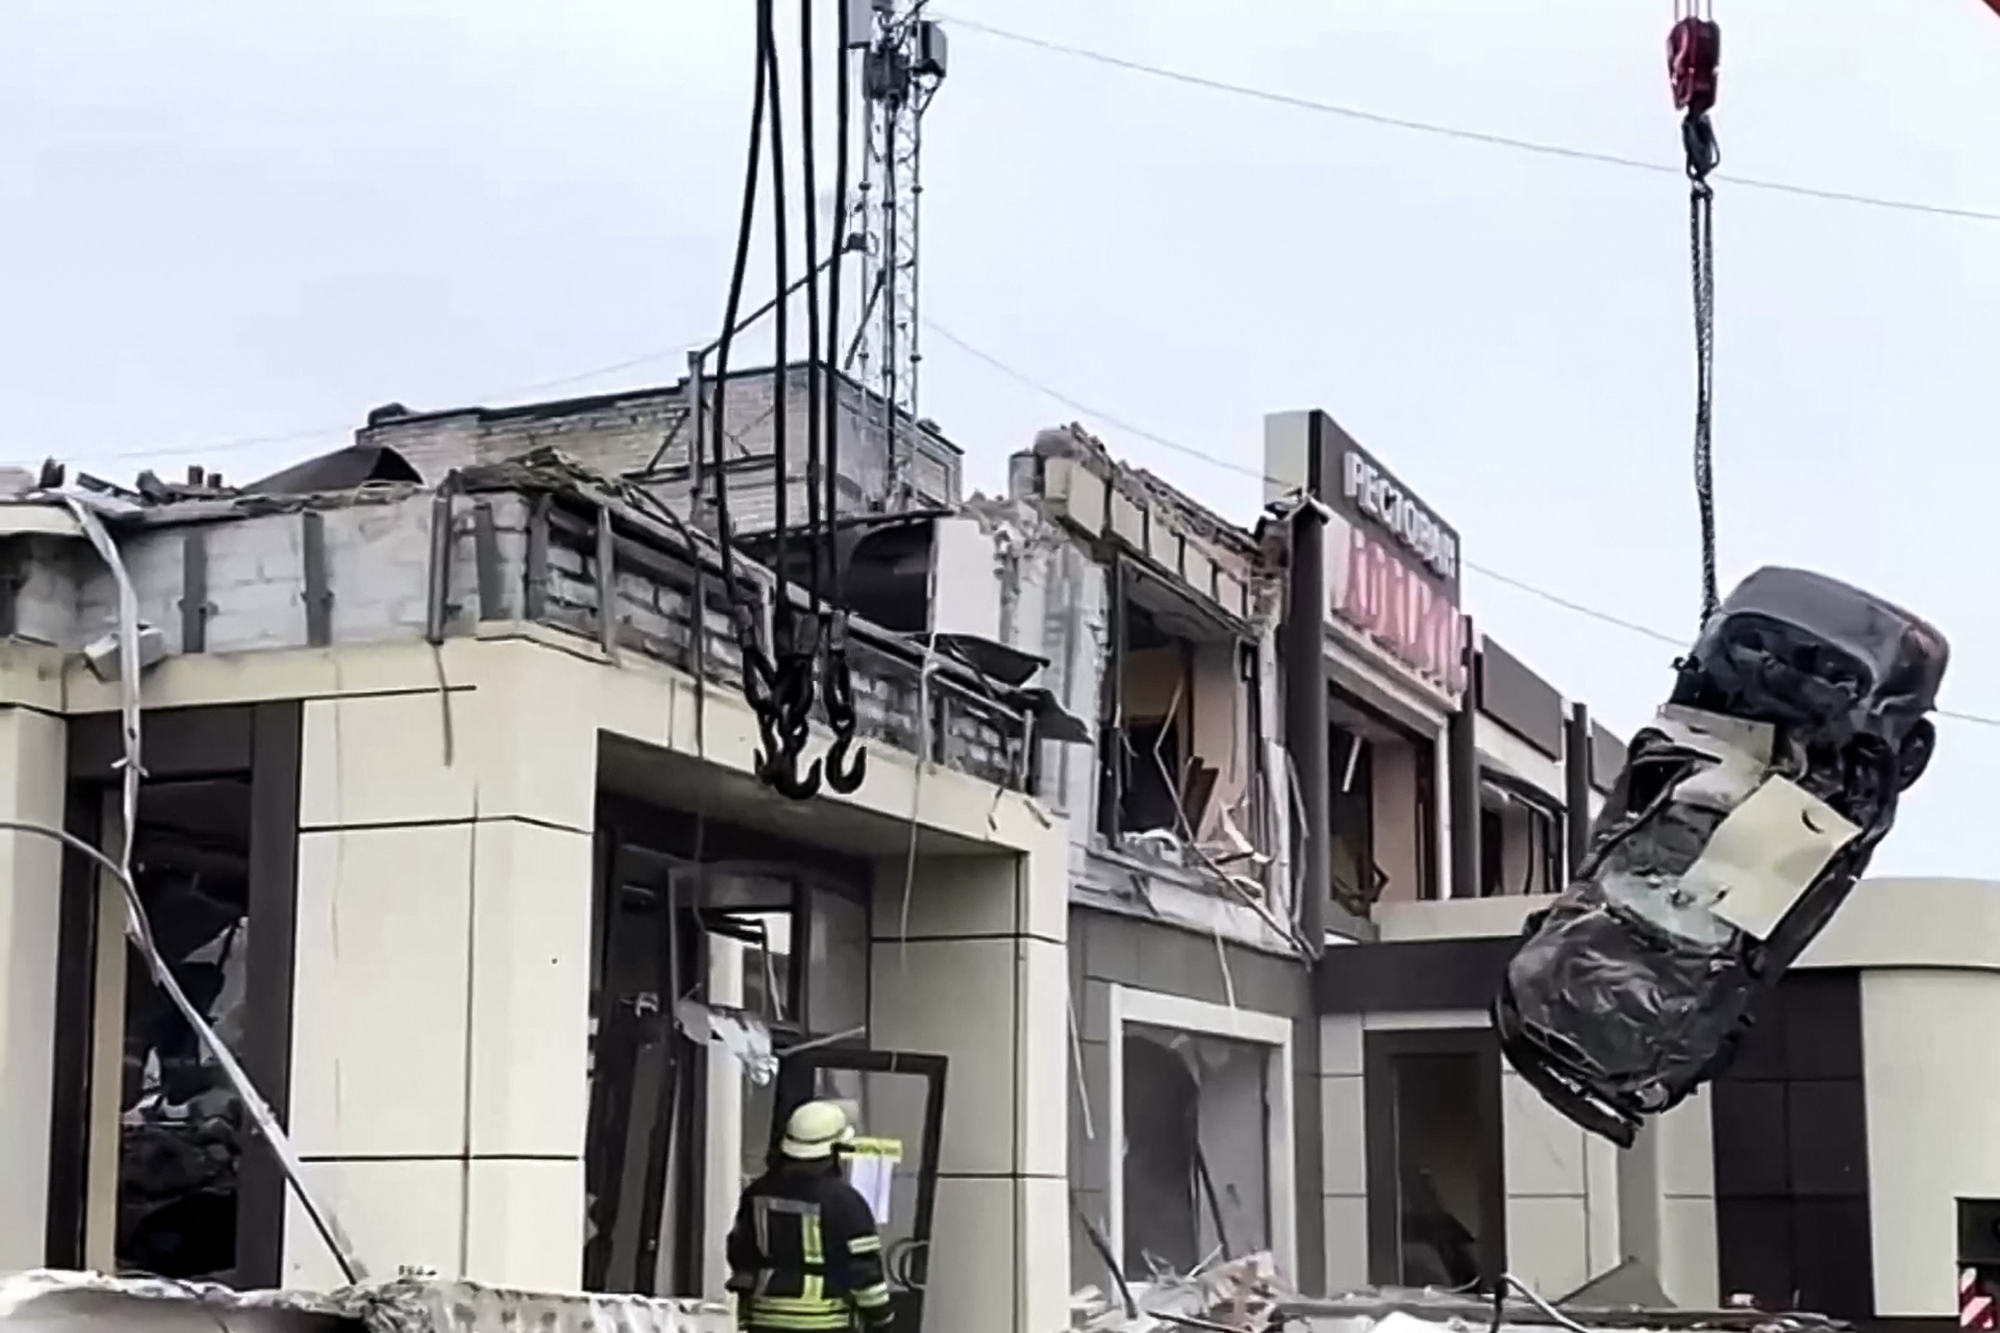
(902, 66)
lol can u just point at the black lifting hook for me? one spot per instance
(778, 760)
(842, 775)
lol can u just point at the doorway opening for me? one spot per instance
(1436, 1197)
(1197, 1150)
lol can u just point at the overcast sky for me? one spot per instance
(232, 221)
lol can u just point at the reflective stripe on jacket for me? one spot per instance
(804, 1254)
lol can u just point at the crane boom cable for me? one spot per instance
(1694, 56)
(809, 179)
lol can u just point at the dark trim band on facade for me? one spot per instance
(1511, 694)
(1413, 975)
(260, 742)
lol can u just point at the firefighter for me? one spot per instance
(804, 1253)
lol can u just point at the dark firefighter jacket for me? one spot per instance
(804, 1253)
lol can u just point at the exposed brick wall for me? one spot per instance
(631, 432)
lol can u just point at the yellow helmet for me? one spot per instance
(814, 1131)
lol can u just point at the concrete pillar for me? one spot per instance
(441, 1007)
(968, 961)
(33, 767)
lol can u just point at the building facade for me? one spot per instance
(448, 823)
(1164, 923)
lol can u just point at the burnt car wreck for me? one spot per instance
(1743, 816)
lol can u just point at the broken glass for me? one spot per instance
(181, 1124)
(1743, 816)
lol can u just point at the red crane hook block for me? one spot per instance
(1694, 50)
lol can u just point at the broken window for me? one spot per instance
(181, 1124)
(780, 946)
(639, 1180)
(1384, 807)
(1179, 761)
(167, 1135)
(1436, 1198)
(1520, 840)
(1197, 1164)
(1437, 1170)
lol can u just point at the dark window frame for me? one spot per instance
(1547, 831)
(1117, 757)
(262, 742)
(625, 826)
(1429, 887)
(1380, 1051)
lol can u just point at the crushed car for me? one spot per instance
(1744, 814)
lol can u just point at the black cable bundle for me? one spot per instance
(781, 686)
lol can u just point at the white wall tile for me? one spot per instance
(379, 759)
(530, 989)
(974, 1270)
(1931, 1117)
(1344, 1135)
(525, 1224)
(396, 1214)
(1544, 1150)
(521, 745)
(32, 768)
(1546, 1241)
(1346, 1243)
(1689, 1270)
(380, 992)
(1045, 1253)
(1340, 1044)
(1687, 1148)
(972, 895)
(1600, 1159)
(533, 736)
(1042, 1052)
(958, 999)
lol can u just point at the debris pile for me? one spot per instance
(1234, 1296)
(416, 1302)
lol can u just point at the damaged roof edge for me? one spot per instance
(1073, 441)
(392, 415)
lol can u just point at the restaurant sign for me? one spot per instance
(1392, 565)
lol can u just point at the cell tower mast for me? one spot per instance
(903, 62)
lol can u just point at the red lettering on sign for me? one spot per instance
(1400, 609)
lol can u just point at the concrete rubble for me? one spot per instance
(1240, 1295)
(1249, 1295)
(45, 1301)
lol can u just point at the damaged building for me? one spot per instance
(1216, 1105)
(1162, 927)
(448, 826)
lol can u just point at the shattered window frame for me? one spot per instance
(259, 746)
(1135, 1012)
(744, 875)
(1118, 759)
(1350, 715)
(1546, 825)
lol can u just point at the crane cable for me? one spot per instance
(1694, 53)
(796, 646)
(846, 766)
(759, 674)
(780, 685)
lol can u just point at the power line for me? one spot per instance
(1229, 465)
(1466, 135)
